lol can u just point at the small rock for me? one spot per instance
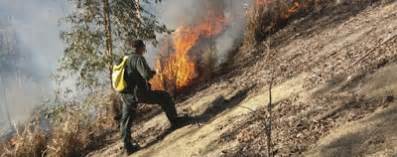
(388, 99)
(299, 135)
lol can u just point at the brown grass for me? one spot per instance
(69, 138)
(266, 19)
(262, 20)
(75, 129)
(29, 140)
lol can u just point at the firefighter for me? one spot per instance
(138, 90)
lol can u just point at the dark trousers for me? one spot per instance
(129, 108)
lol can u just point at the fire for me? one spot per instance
(262, 2)
(178, 69)
(293, 6)
(179, 63)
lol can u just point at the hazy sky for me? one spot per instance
(36, 24)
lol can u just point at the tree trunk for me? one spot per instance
(108, 34)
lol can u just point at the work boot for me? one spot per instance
(180, 122)
(128, 150)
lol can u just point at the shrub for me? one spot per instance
(80, 127)
(72, 129)
(29, 140)
(266, 17)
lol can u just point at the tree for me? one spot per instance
(97, 35)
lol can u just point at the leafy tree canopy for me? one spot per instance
(85, 54)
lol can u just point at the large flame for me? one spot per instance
(178, 69)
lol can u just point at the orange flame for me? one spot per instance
(262, 2)
(179, 69)
(294, 6)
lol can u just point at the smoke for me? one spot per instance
(29, 40)
(175, 13)
(32, 27)
(233, 36)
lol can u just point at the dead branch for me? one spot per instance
(269, 122)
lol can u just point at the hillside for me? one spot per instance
(334, 91)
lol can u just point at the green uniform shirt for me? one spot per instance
(138, 73)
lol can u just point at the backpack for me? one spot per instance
(118, 82)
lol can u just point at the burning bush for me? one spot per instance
(177, 65)
(205, 33)
(193, 51)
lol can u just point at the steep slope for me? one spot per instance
(334, 93)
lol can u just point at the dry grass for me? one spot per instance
(69, 138)
(263, 19)
(29, 140)
(74, 129)
(269, 16)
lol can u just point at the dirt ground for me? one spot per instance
(334, 93)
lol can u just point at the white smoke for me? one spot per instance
(175, 13)
(233, 36)
(35, 38)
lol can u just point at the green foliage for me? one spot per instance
(85, 54)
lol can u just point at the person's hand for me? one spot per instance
(156, 71)
(149, 86)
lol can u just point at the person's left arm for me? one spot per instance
(143, 68)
